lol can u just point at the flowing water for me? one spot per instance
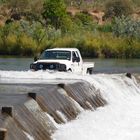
(101, 106)
(119, 120)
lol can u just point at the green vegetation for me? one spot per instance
(118, 8)
(126, 27)
(31, 27)
(54, 13)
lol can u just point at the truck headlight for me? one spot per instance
(62, 67)
(33, 66)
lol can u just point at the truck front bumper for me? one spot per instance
(48, 66)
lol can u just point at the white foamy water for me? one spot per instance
(119, 120)
(36, 77)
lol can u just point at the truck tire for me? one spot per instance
(69, 70)
(90, 71)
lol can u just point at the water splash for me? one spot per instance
(119, 120)
(28, 136)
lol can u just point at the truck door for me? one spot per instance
(77, 65)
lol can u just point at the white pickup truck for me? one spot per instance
(62, 59)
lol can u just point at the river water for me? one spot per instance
(118, 120)
(101, 65)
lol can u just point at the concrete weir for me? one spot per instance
(32, 111)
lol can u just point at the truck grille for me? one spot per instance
(51, 66)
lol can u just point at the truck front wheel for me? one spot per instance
(69, 70)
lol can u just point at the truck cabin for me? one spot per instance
(60, 55)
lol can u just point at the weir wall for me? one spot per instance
(32, 111)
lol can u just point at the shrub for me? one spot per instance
(136, 49)
(53, 33)
(105, 28)
(83, 19)
(66, 41)
(89, 45)
(117, 8)
(126, 27)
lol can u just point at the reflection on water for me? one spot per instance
(101, 65)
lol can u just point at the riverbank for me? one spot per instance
(93, 45)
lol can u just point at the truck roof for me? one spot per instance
(65, 49)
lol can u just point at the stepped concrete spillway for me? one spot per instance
(32, 111)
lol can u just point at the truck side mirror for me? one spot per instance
(76, 59)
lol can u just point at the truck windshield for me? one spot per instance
(56, 54)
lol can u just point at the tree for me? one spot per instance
(54, 12)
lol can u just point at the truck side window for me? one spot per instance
(75, 57)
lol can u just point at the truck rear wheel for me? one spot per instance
(90, 71)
